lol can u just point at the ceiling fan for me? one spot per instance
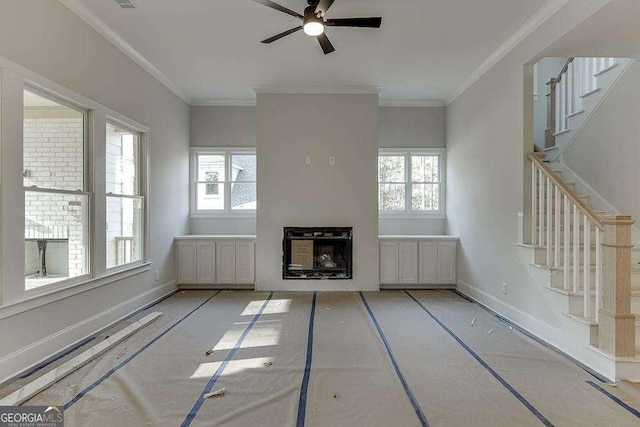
(314, 22)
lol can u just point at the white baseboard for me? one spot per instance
(529, 323)
(40, 351)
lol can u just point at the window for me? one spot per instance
(411, 182)
(224, 181)
(56, 202)
(124, 231)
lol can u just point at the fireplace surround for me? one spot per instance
(317, 253)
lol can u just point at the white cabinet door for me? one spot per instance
(186, 260)
(205, 264)
(447, 262)
(226, 262)
(408, 263)
(245, 263)
(428, 264)
(388, 262)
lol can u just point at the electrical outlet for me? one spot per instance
(504, 288)
(332, 161)
(157, 275)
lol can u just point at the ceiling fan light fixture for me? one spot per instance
(313, 28)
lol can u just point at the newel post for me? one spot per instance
(617, 334)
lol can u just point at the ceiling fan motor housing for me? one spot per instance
(310, 15)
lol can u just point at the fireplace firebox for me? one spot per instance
(316, 253)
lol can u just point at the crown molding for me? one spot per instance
(315, 90)
(412, 103)
(223, 102)
(108, 33)
(533, 23)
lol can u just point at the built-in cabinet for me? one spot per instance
(223, 261)
(417, 261)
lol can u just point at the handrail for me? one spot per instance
(587, 210)
(562, 71)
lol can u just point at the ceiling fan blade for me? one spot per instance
(327, 47)
(281, 35)
(323, 6)
(276, 6)
(355, 22)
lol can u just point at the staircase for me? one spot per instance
(574, 95)
(586, 267)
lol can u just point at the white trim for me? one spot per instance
(408, 213)
(533, 23)
(352, 90)
(47, 380)
(412, 103)
(121, 44)
(51, 294)
(42, 350)
(227, 212)
(223, 102)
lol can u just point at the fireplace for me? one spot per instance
(316, 253)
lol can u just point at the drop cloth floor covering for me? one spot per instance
(329, 359)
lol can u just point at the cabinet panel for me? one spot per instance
(408, 262)
(226, 262)
(186, 259)
(388, 262)
(245, 263)
(428, 264)
(447, 262)
(205, 265)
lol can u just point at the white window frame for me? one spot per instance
(406, 153)
(226, 212)
(142, 191)
(85, 191)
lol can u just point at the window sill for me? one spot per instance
(411, 216)
(223, 215)
(39, 297)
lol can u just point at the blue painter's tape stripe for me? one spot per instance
(127, 360)
(547, 345)
(463, 296)
(407, 389)
(615, 399)
(207, 389)
(497, 376)
(58, 357)
(302, 404)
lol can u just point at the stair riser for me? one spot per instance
(541, 256)
(557, 279)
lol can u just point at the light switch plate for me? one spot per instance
(307, 160)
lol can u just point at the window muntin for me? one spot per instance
(56, 203)
(124, 202)
(410, 182)
(225, 181)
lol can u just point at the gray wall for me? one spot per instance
(401, 127)
(292, 193)
(413, 127)
(487, 141)
(45, 37)
(606, 152)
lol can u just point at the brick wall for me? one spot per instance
(53, 158)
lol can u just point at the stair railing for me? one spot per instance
(557, 216)
(577, 79)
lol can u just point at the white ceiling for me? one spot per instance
(211, 50)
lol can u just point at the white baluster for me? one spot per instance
(549, 221)
(556, 228)
(569, 76)
(563, 102)
(534, 204)
(567, 247)
(557, 112)
(540, 208)
(579, 81)
(576, 247)
(598, 274)
(586, 272)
